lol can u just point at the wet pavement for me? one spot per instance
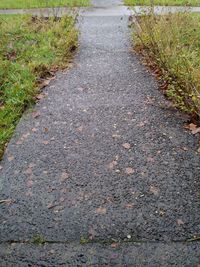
(103, 170)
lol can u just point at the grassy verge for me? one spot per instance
(31, 49)
(171, 46)
(5, 4)
(163, 2)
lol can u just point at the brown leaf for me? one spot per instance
(28, 171)
(126, 145)
(112, 165)
(114, 245)
(154, 190)
(179, 222)
(44, 83)
(193, 128)
(64, 176)
(197, 130)
(129, 170)
(35, 114)
(129, 205)
(198, 150)
(29, 183)
(34, 130)
(101, 210)
(10, 158)
(40, 96)
(45, 142)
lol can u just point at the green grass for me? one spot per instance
(30, 48)
(163, 2)
(171, 46)
(6, 4)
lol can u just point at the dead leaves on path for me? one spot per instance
(101, 210)
(126, 145)
(129, 170)
(193, 128)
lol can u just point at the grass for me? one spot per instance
(170, 45)
(30, 48)
(163, 2)
(6, 4)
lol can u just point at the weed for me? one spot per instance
(171, 46)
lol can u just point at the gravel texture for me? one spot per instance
(103, 158)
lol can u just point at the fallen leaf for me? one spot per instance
(112, 165)
(64, 176)
(179, 222)
(129, 205)
(10, 158)
(126, 145)
(154, 190)
(35, 114)
(44, 83)
(40, 96)
(193, 128)
(197, 130)
(46, 130)
(198, 150)
(101, 210)
(116, 136)
(34, 130)
(80, 129)
(114, 245)
(7, 201)
(46, 142)
(129, 170)
(28, 171)
(29, 183)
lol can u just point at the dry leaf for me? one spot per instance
(35, 114)
(126, 145)
(193, 128)
(34, 130)
(129, 205)
(154, 190)
(10, 158)
(40, 96)
(129, 170)
(29, 183)
(101, 210)
(28, 171)
(114, 245)
(64, 176)
(197, 130)
(179, 222)
(198, 150)
(44, 83)
(112, 165)
(46, 142)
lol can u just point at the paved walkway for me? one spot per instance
(103, 169)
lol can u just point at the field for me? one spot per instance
(31, 49)
(170, 45)
(163, 2)
(6, 4)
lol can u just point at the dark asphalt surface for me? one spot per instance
(103, 159)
